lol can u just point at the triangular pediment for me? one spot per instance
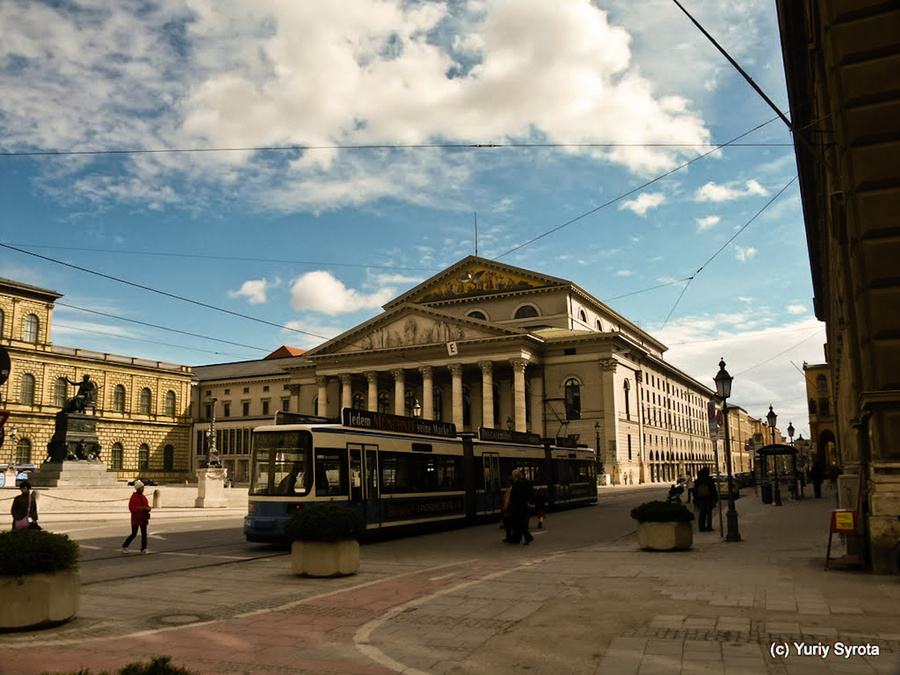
(409, 326)
(475, 277)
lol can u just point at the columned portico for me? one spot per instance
(399, 391)
(322, 400)
(456, 393)
(487, 394)
(346, 391)
(372, 399)
(427, 392)
(518, 366)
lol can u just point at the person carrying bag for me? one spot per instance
(24, 509)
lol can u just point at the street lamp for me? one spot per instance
(212, 453)
(597, 427)
(723, 389)
(796, 482)
(771, 418)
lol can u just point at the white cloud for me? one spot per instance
(254, 290)
(644, 202)
(707, 222)
(320, 291)
(796, 309)
(624, 273)
(243, 73)
(713, 192)
(745, 253)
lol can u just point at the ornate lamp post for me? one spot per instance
(771, 418)
(723, 389)
(598, 460)
(796, 480)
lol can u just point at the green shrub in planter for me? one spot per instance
(24, 552)
(325, 522)
(662, 512)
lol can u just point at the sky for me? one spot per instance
(205, 181)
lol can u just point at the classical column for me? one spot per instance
(518, 366)
(372, 402)
(399, 391)
(456, 394)
(322, 406)
(427, 392)
(346, 391)
(487, 394)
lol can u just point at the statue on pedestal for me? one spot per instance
(85, 397)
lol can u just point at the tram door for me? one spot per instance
(493, 493)
(364, 480)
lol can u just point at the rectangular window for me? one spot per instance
(331, 473)
(286, 404)
(265, 408)
(629, 446)
(245, 408)
(227, 410)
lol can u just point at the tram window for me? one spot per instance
(331, 473)
(276, 456)
(401, 472)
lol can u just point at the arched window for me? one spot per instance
(119, 398)
(168, 458)
(573, 399)
(30, 328)
(23, 451)
(822, 384)
(359, 401)
(526, 312)
(26, 393)
(384, 402)
(582, 316)
(116, 458)
(170, 403)
(627, 387)
(60, 392)
(143, 457)
(477, 315)
(146, 401)
(599, 326)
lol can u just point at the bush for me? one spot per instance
(24, 552)
(325, 522)
(159, 665)
(662, 512)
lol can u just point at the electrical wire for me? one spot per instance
(57, 324)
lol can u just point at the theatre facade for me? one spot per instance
(486, 344)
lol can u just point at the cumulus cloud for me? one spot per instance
(624, 273)
(707, 222)
(644, 202)
(796, 309)
(254, 291)
(320, 291)
(713, 192)
(243, 74)
(745, 253)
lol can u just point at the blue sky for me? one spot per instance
(380, 105)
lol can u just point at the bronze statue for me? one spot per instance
(85, 397)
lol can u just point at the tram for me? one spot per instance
(402, 473)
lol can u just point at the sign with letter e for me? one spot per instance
(452, 349)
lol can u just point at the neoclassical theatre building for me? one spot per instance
(142, 408)
(482, 344)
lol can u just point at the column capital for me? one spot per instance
(346, 378)
(397, 373)
(486, 366)
(371, 376)
(426, 371)
(518, 364)
(455, 368)
(321, 380)
(608, 364)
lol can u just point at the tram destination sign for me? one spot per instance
(366, 419)
(508, 436)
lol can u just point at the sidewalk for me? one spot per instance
(718, 608)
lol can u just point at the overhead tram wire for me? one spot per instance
(384, 146)
(164, 293)
(639, 188)
(725, 245)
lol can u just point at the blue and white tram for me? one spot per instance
(402, 472)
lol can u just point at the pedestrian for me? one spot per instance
(705, 497)
(540, 505)
(24, 509)
(689, 486)
(520, 494)
(506, 522)
(817, 475)
(140, 516)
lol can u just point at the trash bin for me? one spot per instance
(765, 491)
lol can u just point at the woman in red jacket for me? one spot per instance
(140, 516)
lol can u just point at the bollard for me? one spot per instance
(157, 498)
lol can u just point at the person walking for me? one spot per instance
(689, 486)
(520, 494)
(817, 475)
(705, 497)
(140, 516)
(24, 509)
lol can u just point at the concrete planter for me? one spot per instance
(665, 536)
(38, 599)
(325, 559)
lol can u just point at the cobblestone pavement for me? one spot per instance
(762, 605)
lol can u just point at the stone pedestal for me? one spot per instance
(211, 488)
(75, 437)
(75, 473)
(9, 478)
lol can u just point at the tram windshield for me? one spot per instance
(281, 463)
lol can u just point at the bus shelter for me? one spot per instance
(771, 474)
